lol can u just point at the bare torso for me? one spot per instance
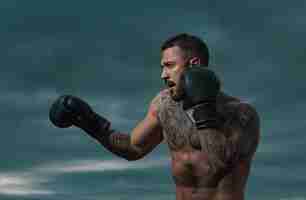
(195, 181)
(197, 174)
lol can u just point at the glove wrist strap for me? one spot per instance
(204, 115)
(96, 126)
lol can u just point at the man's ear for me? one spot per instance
(195, 61)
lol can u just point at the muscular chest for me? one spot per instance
(198, 158)
(181, 133)
(178, 130)
(190, 168)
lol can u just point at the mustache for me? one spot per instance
(169, 83)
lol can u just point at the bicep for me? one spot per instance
(148, 133)
(250, 127)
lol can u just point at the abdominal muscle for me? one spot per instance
(193, 177)
(191, 193)
(188, 168)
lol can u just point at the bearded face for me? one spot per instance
(174, 63)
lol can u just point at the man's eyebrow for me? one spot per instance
(167, 63)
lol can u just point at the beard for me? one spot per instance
(177, 93)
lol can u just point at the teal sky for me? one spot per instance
(107, 52)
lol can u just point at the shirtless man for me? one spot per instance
(212, 136)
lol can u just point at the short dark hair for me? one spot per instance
(190, 44)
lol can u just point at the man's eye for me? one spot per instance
(167, 65)
(170, 65)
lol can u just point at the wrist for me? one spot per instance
(95, 125)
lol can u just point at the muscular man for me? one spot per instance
(212, 136)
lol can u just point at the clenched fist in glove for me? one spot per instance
(68, 110)
(201, 87)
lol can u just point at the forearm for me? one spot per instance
(114, 141)
(120, 144)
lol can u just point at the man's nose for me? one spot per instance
(164, 74)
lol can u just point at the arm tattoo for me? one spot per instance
(120, 144)
(250, 125)
(237, 141)
(117, 143)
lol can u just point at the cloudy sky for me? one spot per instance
(107, 52)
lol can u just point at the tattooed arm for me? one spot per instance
(142, 140)
(69, 110)
(250, 131)
(249, 126)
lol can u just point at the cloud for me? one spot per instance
(30, 99)
(79, 166)
(22, 184)
(30, 181)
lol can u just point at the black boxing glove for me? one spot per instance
(68, 110)
(201, 87)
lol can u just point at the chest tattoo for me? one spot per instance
(222, 146)
(178, 129)
(237, 138)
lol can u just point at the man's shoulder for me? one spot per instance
(160, 96)
(238, 105)
(246, 111)
(244, 117)
(164, 93)
(159, 99)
